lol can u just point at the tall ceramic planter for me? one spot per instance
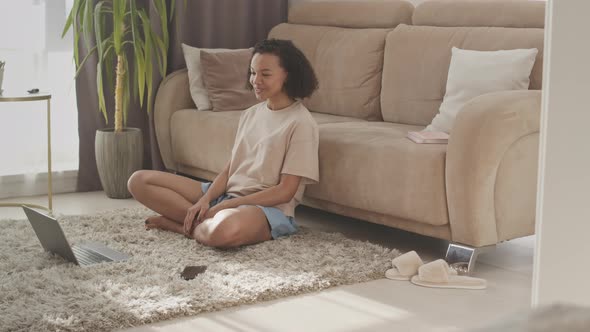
(118, 155)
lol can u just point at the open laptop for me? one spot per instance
(54, 240)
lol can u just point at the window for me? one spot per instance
(37, 57)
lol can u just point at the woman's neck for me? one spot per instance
(279, 102)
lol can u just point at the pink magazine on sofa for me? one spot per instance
(428, 137)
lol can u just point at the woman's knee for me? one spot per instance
(221, 233)
(137, 180)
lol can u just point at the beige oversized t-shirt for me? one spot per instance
(270, 143)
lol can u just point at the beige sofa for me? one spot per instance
(382, 68)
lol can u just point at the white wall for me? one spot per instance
(563, 205)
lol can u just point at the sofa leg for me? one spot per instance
(462, 257)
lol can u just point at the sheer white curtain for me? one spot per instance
(37, 57)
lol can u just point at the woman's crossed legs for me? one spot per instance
(171, 195)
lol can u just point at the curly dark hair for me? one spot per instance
(301, 80)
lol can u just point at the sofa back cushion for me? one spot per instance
(344, 43)
(353, 14)
(225, 76)
(347, 63)
(417, 58)
(490, 13)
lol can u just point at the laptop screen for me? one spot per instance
(50, 234)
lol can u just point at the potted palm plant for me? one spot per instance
(128, 39)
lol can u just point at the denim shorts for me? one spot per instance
(280, 224)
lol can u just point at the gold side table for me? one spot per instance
(24, 97)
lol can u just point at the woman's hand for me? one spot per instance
(213, 211)
(196, 213)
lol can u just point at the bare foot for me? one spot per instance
(153, 222)
(163, 223)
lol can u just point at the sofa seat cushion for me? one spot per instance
(203, 139)
(399, 177)
(322, 118)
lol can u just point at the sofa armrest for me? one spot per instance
(173, 95)
(491, 168)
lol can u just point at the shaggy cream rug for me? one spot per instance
(41, 292)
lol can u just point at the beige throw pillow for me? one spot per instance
(192, 57)
(225, 78)
(474, 73)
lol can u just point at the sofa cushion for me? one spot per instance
(414, 86)
(372, 166)
(192, 132)
(387, 14)
(322, 118)
(203, 139)
(503, 70)
(192, 58)
(347, 63)
(491, 13)
(225, 75)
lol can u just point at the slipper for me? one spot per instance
(438, 274)
(404, 266)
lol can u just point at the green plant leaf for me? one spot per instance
(134, 41)
(84, 61)
(77, 48)
(162, 57)
(70, 20)
(98, 30)
(100, 45)
(173, 8)
(162, 43)
(160, 6)
(101, 103)
(109, 60)
(148, 49)
(132, 35)
(87, 22)
(140, 70)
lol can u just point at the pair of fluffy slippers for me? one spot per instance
(436, 274)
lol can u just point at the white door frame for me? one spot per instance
(561, 266)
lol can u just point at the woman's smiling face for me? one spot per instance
(267, 76)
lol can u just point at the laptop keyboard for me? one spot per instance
(87, 257)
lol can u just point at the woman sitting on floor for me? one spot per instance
(275, 155)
